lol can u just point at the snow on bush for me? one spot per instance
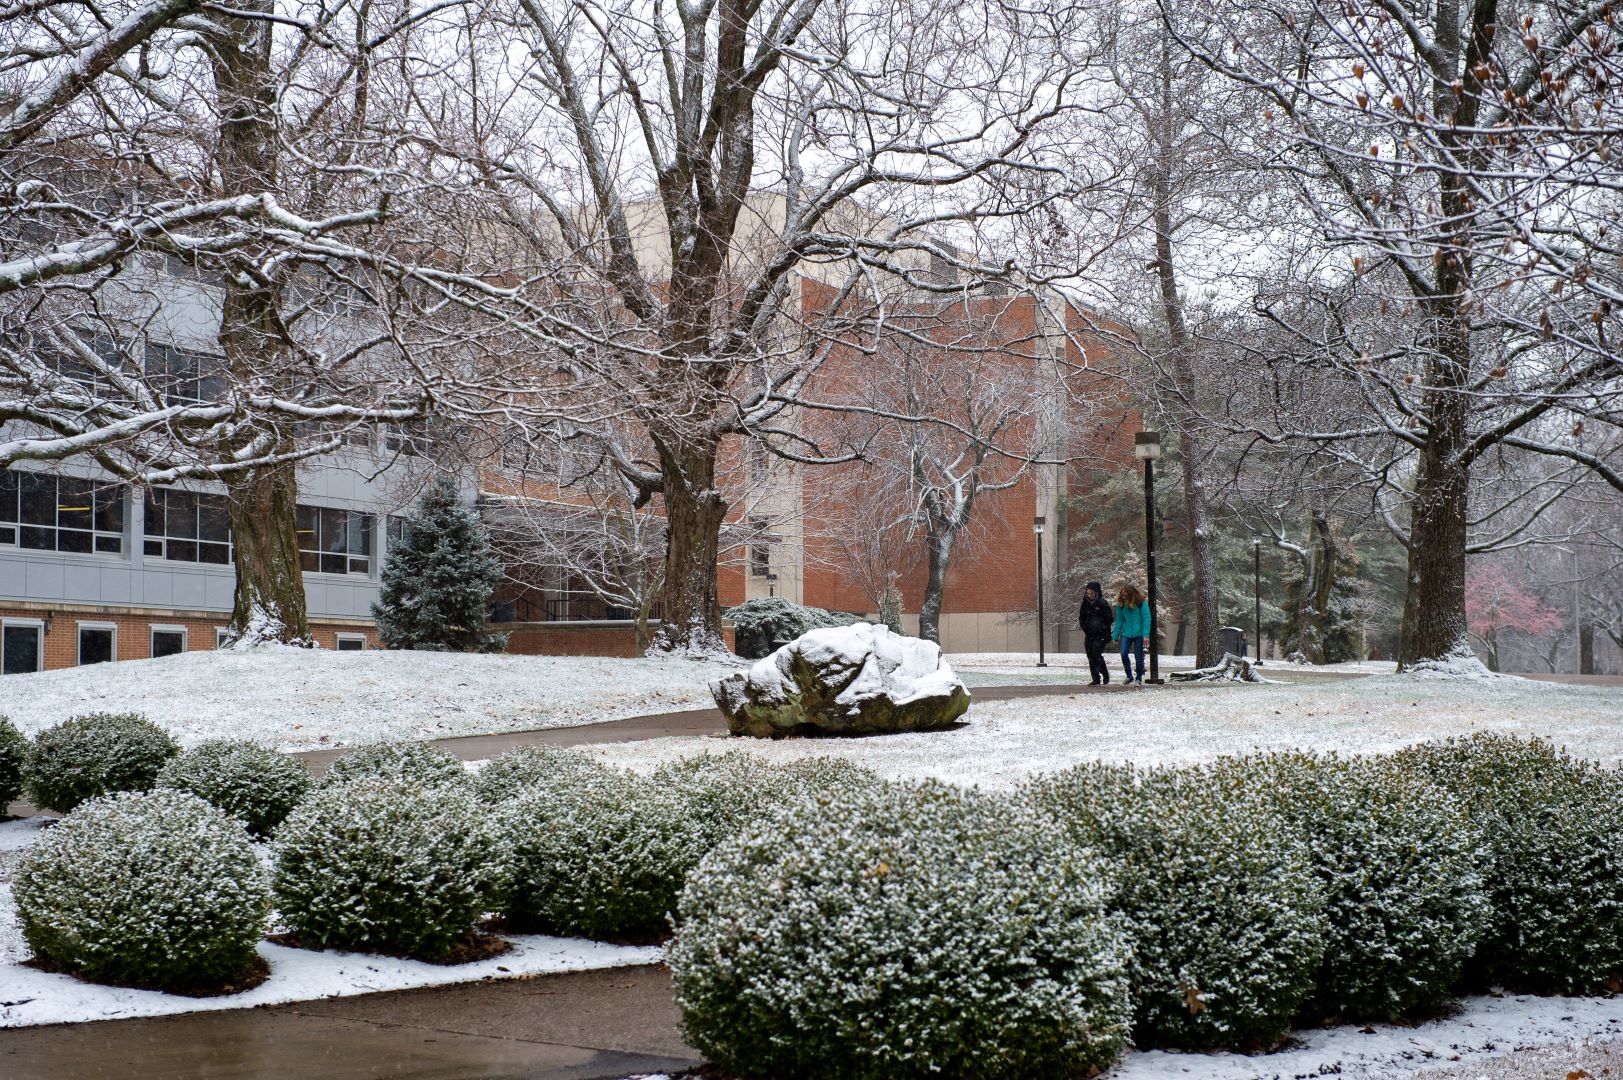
(596, 855)
(1553, 825)
(157, 889)
(93, 755)
(506, 775)
(1399, 865)
(412, 762)
(252, 783)
(1225, 908)
(896, 932)
(725, 792)
(758, 623)
(14, 751)
(386, 866)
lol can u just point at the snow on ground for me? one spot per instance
(301, 699)
(1006, 741)
(36, 997)
(1065, 666)
(1483, 1028)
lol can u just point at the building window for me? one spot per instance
(168, 641)
(184, 526)
(760, 549)
(43, 512)
(222, 634)
(394, 532)
(98, 643)
(22, 646)
(183, 376)
(351, 642)
(334, 541)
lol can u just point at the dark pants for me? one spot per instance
(1135, 645)
(1097, 668)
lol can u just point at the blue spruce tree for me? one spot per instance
(438, 578)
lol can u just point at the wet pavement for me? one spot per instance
(599, 1025)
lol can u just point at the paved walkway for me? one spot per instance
(596, 1025)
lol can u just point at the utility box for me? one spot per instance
(1233, 640)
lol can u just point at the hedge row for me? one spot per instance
(831, 924)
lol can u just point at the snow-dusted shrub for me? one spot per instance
(14, 751)
(153, 889)
(507, 774)
(896, 932)
(1224, 905)
(1399, 865)
(598, 855)
(252, 783)
(725, 792)
(93, 755)
(759, 622)
(387, 866)
(1553, 825)
(408, 761)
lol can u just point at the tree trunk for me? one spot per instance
(694, 509)
(270, 600)
(1177, 639)
(1434, 604)
(1202, 548)
(1586, 649)
(1324, 586)
(270, 604)
(939, 541)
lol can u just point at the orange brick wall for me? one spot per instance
(134, 637)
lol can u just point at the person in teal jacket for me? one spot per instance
(1131, 628)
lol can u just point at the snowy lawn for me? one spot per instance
(1006, 741)
(302, 699)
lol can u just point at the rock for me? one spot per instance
(851, 680)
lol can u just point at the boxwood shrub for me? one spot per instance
(93, 755)
(1226, 910)
(1553, 825)
(14, 751)
(387, 866)
(600, 855)
(507, 774)
(900, 932)
(1400, 868)
(725, 792)
(408, 761)
(252, 783)
(157, 889)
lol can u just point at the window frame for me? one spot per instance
(163, 540)
(154, 629)
(313, 558)
(220, 633)
(340, 639)
(104, 542)
(34, 624)
(79, 628)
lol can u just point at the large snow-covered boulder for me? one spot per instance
(850, 680)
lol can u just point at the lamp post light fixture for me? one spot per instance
(1147, 448)
(1256, 589)
(1037, 529)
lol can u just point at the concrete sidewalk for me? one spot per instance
(597, 1025)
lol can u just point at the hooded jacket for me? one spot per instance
(1097, 614)
(1132, 622)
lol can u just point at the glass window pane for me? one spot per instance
(154, 548)
(95, 645)
(181, 519)
(214, 521)
(38, 539)
(217, 554)
(109, 509)
(75, 541)
(333, 534)
(168, 643)
(8, 534)
(153, 526)
(109, 545)
(181, 551)
(332, 564)
(305, 521)
(309, 561)
(360, 566)
(20, 650)
(38, 499)
(75, 504)
(8, 496)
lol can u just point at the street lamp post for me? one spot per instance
(1037, 528)
(1147, 448)
(1256, 589)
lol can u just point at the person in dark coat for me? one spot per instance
(1096, 618)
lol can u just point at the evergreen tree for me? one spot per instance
(438, 578)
